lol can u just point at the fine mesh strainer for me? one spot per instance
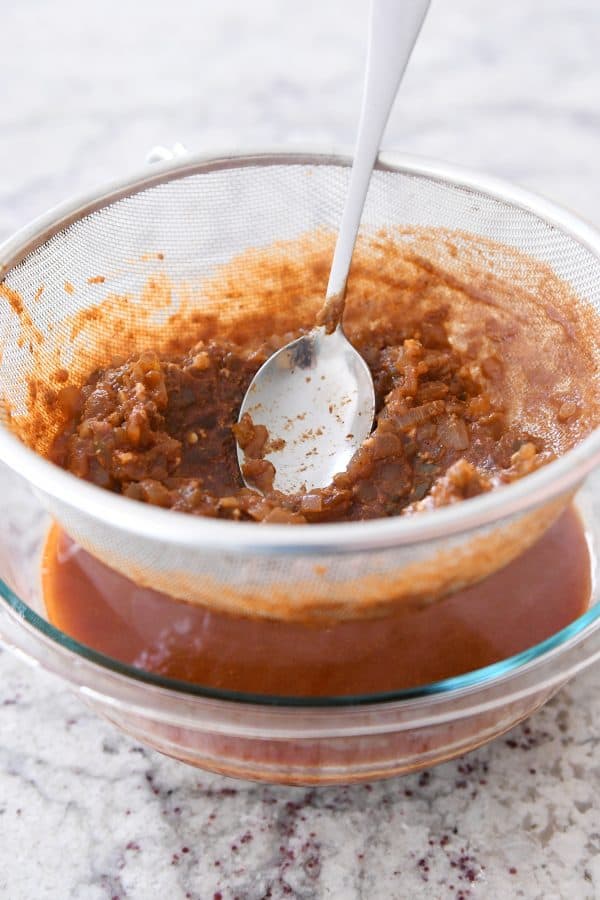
(75, 289)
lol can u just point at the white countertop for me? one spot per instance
(86, 814)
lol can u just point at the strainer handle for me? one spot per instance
(165, 154)
(394, 26)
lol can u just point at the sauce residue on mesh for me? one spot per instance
(516, 315)
(531, 599)
(14, 298)
(477, 383)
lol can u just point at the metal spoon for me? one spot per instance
(315, 396)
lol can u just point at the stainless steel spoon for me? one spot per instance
(315, 396)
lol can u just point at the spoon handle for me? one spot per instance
(394, 26)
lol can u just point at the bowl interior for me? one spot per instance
(23, 530)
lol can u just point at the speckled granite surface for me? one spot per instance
(85, 813)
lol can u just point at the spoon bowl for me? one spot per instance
(316, 398)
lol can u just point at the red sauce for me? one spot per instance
(529, 600)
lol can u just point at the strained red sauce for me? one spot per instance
(529, 600)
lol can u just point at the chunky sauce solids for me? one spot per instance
(531, 599)
(163, 431)
(477, 380)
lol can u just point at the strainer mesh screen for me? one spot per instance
(185, 228)
(201, 220)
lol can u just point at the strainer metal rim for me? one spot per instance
(560, 476)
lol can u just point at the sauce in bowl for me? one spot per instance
(539, 593)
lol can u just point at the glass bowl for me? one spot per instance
(286, 740)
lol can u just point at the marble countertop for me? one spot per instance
(87, 814)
